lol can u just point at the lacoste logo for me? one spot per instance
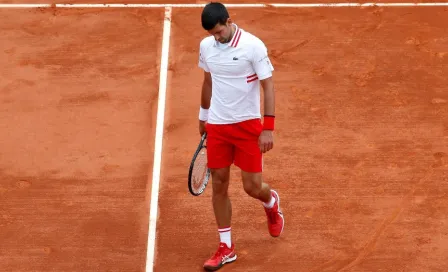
(235, 58)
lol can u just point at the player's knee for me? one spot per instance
(252, 184)
(220, 182)
(251, 189)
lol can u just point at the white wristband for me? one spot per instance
(203, 114)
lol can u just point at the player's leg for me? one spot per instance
(220, 155)
(249, 159)
(221, 202)
(255, 187)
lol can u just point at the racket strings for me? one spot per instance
(200, 169)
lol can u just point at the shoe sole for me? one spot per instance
(229, 260)
(281, 214)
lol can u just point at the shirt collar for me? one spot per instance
(235, 39)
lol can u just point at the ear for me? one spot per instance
(229, 22)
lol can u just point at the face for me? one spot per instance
(222, 33)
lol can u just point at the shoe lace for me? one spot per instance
(272, 216)
(218, 253)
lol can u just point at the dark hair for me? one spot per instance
(213, 14)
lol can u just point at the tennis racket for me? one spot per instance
(199, 173)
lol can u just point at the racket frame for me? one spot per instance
(190, 172)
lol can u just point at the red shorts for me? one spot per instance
(235, 143)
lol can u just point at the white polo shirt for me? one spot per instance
(236, 69)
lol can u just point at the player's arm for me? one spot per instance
(269, 96)
(266, 140)
(206, 94)
(263, 68)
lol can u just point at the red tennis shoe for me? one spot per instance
(276, 221)
(222, 256)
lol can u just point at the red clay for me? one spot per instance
(197, 1)
(77, 117)
(360, 158)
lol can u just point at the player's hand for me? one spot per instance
(266, 141)
(201, 127)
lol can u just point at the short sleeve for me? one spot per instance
(261, 62)
(202, 63)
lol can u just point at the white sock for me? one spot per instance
(225, 236)
(269, 204)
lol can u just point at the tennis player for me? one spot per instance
(235, 64)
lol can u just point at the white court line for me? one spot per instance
(158, 141)
(335, 5)
(277, 5)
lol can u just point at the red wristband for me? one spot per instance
(268, 123)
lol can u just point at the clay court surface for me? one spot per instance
(360, 158)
